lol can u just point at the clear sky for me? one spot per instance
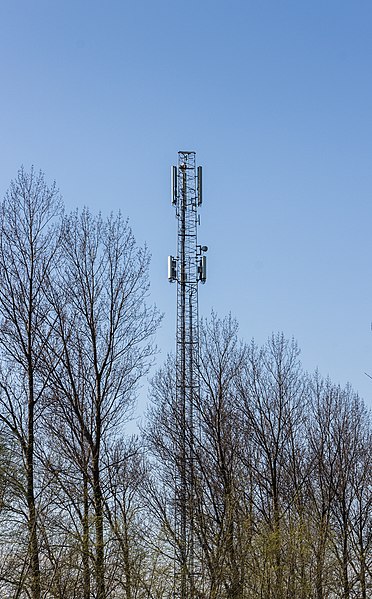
(274, 96)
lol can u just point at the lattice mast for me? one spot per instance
(187, 269)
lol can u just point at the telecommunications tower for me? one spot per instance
(187, 269)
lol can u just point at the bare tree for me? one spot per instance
(103, 333)
(28, 244)
(220, 508)
(273, 395)
(339, 490)
(361, 509)
(158, 487)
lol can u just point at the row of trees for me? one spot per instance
(75, 337)
(282, 505)
(281, 469)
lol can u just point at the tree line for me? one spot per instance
(281, 502)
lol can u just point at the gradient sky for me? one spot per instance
(275, 97)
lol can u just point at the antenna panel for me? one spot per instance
(174, 185)
(203, 269)
(172, 269)
(200, 185)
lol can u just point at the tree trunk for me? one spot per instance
(277, 541)
(362, 576)
(127, 568)
(97, 494)
(85, 541)
(320, 552)
(32, 524)
(345, 563)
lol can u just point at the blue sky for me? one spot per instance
(276, 99)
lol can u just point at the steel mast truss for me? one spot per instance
(187, 269)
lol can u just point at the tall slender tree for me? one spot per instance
(103, 335)
(273, 395)
(28, 244)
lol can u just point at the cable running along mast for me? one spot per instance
(187, 270)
